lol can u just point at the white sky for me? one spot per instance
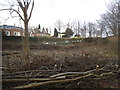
(47, 12)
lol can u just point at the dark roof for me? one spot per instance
(10, 27)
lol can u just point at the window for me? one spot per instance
(7, 33)
(16, 33)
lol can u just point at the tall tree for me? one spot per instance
(39, 27)
(84, 30)
(111, 17)
(77, 28)
(103, 28)
(24, 6)
(26, 11)
(91, 29)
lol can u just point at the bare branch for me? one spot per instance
(31, 11)
(5, 9)
(24, 2)
(28, 3)
(18, 14)
(20, 4)
(12, 12)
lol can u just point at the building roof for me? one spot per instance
(10, 27)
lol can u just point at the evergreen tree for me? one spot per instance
(69, 32)
(39, 27)
(55, 33)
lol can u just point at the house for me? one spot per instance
(38, 32)
(60, 35)
(12, 30)
(35, 33)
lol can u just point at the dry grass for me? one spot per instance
(71, 57)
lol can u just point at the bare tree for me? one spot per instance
(111, 17)
(84, 30)
(24, 6)
(59, 24)
(76, 26)
(68, 24)
(103, 29)
(90, 28)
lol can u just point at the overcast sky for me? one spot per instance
(47, 12)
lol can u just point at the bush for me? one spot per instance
(88, 40)
(96, 40)
(12, 38)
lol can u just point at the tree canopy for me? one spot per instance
(69, 32)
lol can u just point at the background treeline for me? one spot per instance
(107, 25)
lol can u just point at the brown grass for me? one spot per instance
(71, 57)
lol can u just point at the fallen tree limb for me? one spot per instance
(29, 76)
(68, 73)
(32, 85)
(24, 80)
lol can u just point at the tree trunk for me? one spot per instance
(90, 34)
(101, 33)
(118, 22)
(26, 47)
(106, 33)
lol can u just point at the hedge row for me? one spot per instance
(32, 39)
(96, 40)
(54, 39)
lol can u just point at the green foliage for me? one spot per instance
(69, 32)
(55, 33)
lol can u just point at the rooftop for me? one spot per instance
(10, 27)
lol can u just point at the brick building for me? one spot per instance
(12, 30)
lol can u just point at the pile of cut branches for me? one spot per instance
(40, 78)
